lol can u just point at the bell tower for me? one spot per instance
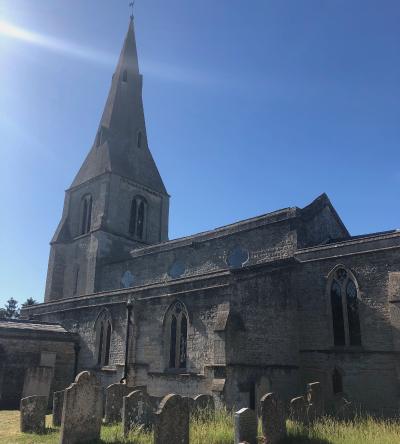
(117, 201)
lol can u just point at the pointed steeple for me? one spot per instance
(120, 145)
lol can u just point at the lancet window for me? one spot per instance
(103, 340)
(176, 330)
(345, 308)
(137, 223)
(86, 214)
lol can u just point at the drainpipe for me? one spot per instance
(129, 308)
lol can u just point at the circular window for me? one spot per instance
(127, 279)
(237, 257)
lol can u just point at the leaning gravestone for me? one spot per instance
(137, 411)
(245, 426)
(33, 414)
(82, 410)
(114, 399)
(273, 418)
(203, 403)
(171, 422)
(298, 409)
(315, 399)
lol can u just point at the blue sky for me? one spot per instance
(250, 107)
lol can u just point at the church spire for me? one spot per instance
(120, 145)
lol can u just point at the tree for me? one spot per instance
(11, 309)
(29, 301)
(3, 314)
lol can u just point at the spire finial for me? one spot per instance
(132, 5)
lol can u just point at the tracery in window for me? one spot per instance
(345, 308)
(137, 221)
(86, 214)
(176, 323)
(103, 338)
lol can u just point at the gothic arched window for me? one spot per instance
(345, 307)
(176, 331)
(86, 214)
(103, 337)
(137, 221)
(125, 76)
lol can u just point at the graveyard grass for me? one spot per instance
(218, 429)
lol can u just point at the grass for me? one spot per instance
(218, 429)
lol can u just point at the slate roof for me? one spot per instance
(115, 147)
(32, 326)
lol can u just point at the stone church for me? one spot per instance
(265, 304)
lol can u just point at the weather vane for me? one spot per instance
(132, 5)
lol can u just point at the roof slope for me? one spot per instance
(115, 148)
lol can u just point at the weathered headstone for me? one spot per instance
(190, 403)
(82, 410)
(245, 426)
(203, 404)
(114, 400)
(37, 381)
(137, 411)
(315, 399)
(298, 409)
(33, 414)
(273, 418)
(171, 422)
(58, 401)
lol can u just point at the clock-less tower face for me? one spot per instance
(117, 201)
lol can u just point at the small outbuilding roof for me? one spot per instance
(32, 328)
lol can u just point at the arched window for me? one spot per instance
(132, 221)
(139, 139)
(345, 307)
(176, 331)
(137, 221)
(125, 76)
(337, 314)
(76, 279)
(352, 314)
(86, 214)
(337, 381)
(103, 339)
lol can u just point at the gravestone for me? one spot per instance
(33, 414)
(315, 399)
(114, 400)
(245, 426)
(273, 418)
(298, 409)
(37, 381)
(190, 403)
(203, 404)
(137, 411)
(82, 410)
(58, 401)
(171, 422)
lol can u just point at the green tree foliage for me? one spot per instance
(11, 309)
(29, 301)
